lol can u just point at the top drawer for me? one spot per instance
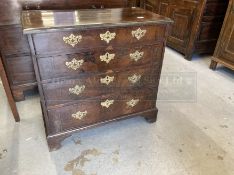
(72, 41)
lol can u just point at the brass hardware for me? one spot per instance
(79, 115)
(136, 55)
(134, 79)
(72, 39)
(138, 33)
(107, 103)
(107, 80)
(77, 89)
(74, 64)
(107, 36)
(132, 102)
(107, 57)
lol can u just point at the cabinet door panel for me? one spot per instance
(163, 8)
(181, 28)
(227, 41)
(149, 5)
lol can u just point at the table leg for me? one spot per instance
(8, 92)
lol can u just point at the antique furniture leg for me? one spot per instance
(151, 117)
(54, 142)
(18, 95)
(213, 64)
(8, 92)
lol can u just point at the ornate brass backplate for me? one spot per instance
(138, 33)
(77, 89)
(107, 57)
(136, 55)
(108, 36)
(107, 80)
(74, 64)
(72, 39)
(132, 102)
(134, 78)
(107, 103)
(80, 115)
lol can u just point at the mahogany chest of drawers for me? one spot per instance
(95, 66)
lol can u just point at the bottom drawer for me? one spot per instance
(88, 112)
(20, 70)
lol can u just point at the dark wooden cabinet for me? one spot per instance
(95, 66)
(14, 46)
(224, 52)
(197, 24)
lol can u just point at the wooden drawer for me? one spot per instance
(97, 61)
(73, 41)
(13, 41)
(20, 70)
(90, 86)
(88, 112)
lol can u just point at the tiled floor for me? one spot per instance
(194, 134)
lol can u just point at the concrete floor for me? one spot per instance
(194, 134)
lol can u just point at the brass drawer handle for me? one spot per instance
(74, 64)
(108, 36)
(107, 80)
(72, 39)
(77, 90)
(134, 78)
(138, 33)
(132, 102)
(107, 103)
(107, 57)
(136, 55)
(80, 115)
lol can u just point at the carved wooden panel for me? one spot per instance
(224, 52)
(182, 24)
(227, 42)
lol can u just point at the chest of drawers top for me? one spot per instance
(38, 21)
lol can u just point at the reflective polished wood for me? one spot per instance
(35, 21)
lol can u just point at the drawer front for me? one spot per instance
(88, 112)
(20, 70)
(13, 41)
(73, 41)
(88, 87)
(97, 61)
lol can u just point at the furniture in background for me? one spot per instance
(95, 66)
(197, 23)
(8, 92)
(14, 46)
(224, 52)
